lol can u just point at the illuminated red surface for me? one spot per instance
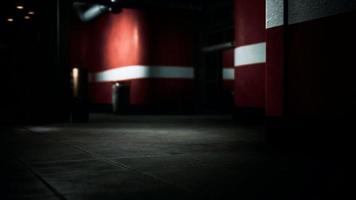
(134, 37)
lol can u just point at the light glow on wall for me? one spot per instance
(136, 36)
(75, 79)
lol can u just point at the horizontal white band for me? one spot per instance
(143, 71)
(304, 10)
(250, 54)
(229, 74)
(274, 13)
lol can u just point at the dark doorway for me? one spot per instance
(211, 78)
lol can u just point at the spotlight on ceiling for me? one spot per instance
(27, 17)
(19, 7)
(10, 19)
(31, 12)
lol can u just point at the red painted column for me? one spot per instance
(250, 54)
(108, 42)
(275, 60)
(149, 51)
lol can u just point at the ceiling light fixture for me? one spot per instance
(27, 17)
(10, 19)
(19, 7)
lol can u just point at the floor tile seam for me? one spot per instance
(124, 166)
(40, 178)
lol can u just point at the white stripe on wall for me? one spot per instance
(229, 74)
(143, 71)
(274, 13)
(250, 54)
(305, 10)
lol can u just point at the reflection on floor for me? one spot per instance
(158, 157)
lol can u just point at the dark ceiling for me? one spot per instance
(9, 7)
(215, 17)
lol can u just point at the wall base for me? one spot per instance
(251, 115)
(310, 134)
(145, 109)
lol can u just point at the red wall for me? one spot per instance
(275, 63)
(228, 63)
(321, 67)
(249, 22)
(172, 38)
(249, 29)
(249, 86)
(134, 37)
(113, 40)
(310, 61)
(228, 58)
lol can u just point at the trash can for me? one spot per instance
(120, 98)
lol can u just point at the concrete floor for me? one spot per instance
(158, 157)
